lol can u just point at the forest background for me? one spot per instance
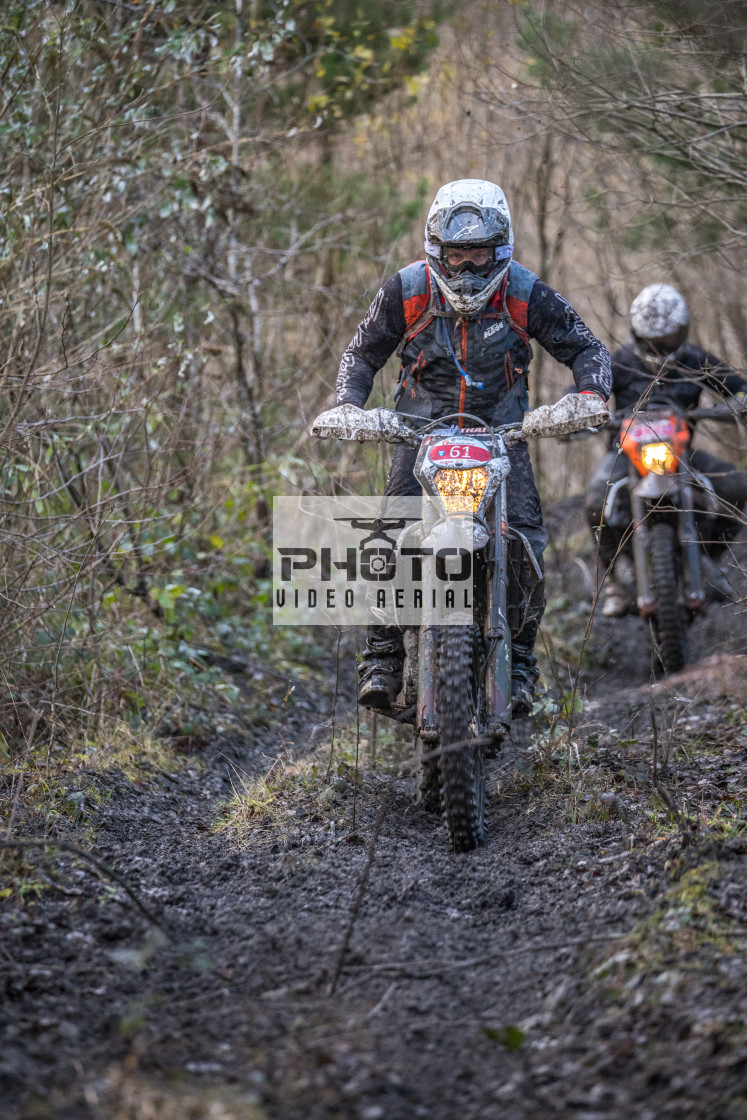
(198, 202)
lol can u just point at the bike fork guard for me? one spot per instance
(690, 545)
(427, 721)
(644, 595)
(498, 634)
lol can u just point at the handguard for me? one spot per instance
(338, 423)
(570, 414)
(347, 421)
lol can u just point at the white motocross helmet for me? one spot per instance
(469, 213)
(659, 320)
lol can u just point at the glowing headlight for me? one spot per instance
(461, 490)
(659, 458)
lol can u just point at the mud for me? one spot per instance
(587, 961)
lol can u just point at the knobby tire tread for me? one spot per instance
(670, 625)
(462, 781)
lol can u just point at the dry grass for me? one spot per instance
(310, 787)
(317, 789)
(125, 1096)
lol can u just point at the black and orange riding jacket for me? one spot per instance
(477, 364)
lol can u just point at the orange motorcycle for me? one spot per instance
(671, 507)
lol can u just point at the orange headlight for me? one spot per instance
(655, 442)
(461, 490)
(659, 458)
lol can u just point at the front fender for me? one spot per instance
(654, 487)
(460, 531)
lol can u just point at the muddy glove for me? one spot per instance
(570, 414)
(347, 421)
(339, 423)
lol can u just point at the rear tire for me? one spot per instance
(461, 768)
(670, 620)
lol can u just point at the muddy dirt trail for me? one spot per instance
(332, 959)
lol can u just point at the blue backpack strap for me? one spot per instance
(521, 280)
(512, 298)
(420, 300)
(415, 290)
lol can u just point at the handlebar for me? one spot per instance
(722, 413)
(569, 414)
(511, 433)
(376, 424)
(468, 416)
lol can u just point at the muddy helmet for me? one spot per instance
(659, 320)
(469, 214)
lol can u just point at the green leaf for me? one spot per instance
(128, 238)
(511, 1037)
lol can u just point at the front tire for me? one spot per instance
(427, 778)
(670, 622)
(460, 764)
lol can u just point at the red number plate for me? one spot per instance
(450, 452)
(643, 431)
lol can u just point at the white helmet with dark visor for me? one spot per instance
(469, 242)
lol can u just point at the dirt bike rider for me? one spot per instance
(461, 322)
(660, 366)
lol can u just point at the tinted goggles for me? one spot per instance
(499, 252)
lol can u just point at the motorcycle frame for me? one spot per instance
(494, 703)
(645, 496)
(494, 692)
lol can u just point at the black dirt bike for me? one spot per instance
(673, 510)
(457, 678)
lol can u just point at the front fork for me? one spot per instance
(427, 654)
(644, 495)
(497, 669)
(498, 634)
(644, 594)
(689, 543)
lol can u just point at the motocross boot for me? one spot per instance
(524, 672)
(615, 602)
(380, 669)
(616, 598)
